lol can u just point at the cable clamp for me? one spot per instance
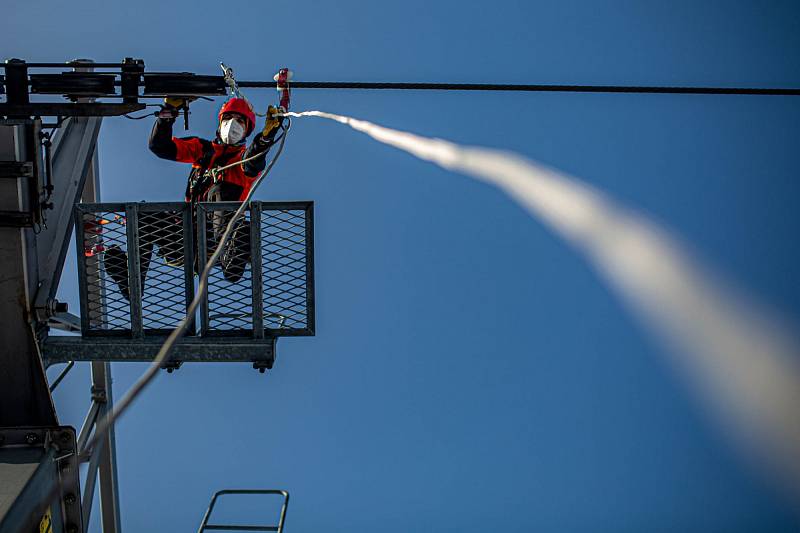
(283, 77)
(230, 81)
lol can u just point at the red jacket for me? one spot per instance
(205, 155)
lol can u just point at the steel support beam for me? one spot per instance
(188, 349)
(68, 110)
(28, 475)
(87, 427)
(39, 469)
(107, 451)
(91, 480)
(102, 402)
(24, 396)
(73, 164)
(30, 270)
(65, 322)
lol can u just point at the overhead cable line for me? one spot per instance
(642, 89)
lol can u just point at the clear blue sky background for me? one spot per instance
(470, 372)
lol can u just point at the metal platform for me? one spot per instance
(137, 265)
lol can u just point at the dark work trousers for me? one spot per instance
(163, 232)
(236, 254)
(165, 235)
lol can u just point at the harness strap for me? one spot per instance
(200, 179)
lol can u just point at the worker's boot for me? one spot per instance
(116, 265)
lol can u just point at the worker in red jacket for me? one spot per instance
(236, 121)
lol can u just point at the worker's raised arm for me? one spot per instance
(261, 144)
(164, 145)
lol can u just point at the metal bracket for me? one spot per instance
(65, 322)
(16, 219)
(263, 366)
(60, 446)
(99, 394)
(171, 366)
(50, 309)
(16, 169)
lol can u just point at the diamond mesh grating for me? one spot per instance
(162, 253)
(285, 268)
(282, 290)
(230, 283)
(104, 250)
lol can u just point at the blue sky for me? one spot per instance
(470, 371)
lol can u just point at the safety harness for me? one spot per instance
(202, 177)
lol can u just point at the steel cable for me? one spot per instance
(642, 89)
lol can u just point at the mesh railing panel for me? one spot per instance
(279, 296)
(103, 254)
(162, 251)
(230, 282)
(285, 269)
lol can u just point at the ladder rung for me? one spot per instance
(217, 527)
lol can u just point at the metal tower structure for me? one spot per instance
(49, 185)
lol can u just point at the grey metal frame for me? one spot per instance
(202, 253)
(63, 349)
(23, 384)
(73, 163)
(102, 458)
(31, 444)
(205, 526)
(106, 452)
(32, 461)
(257, 210)
(256, 269)
(134, 273)
(133, 212)
(86, 86)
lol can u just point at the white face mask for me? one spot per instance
(231, 131)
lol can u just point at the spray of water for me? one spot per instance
(742, 363)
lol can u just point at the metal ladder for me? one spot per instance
(205, 526)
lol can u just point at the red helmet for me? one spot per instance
(243, 107)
